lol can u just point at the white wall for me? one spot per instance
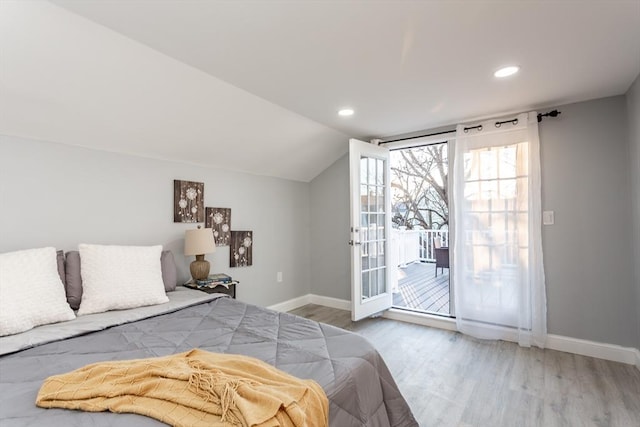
(587, 253)
(66, 79)
(59, 195)
(633, 110)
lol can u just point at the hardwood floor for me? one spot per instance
(454, 380)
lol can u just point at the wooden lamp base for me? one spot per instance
(200, 268)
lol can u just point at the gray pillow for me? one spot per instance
(169, 271)
(60, 259)
(73, 284)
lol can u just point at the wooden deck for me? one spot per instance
(420, 289)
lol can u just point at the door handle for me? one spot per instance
(352, 242)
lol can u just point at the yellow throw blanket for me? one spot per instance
(196, 388)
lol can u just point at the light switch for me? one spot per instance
(548, 218)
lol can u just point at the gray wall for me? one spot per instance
(633, 110)
(59, 195)
(588, 252)
(331, 265)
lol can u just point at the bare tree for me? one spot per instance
(420, 183)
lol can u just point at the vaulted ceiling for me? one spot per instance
(256, 85)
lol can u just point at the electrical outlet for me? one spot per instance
(548, 218)
(279, 276)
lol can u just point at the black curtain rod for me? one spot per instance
(497, 124)
(552, 113)
(417, 136)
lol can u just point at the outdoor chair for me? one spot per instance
(441, 254)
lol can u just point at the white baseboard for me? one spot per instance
(298, 302)
(291, 304)
(598, 350)
(340, 304)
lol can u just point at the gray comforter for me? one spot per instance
(360, 388)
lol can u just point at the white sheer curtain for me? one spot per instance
(497, 248)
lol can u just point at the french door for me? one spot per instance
(370, 228)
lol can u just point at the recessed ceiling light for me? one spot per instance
(507, 71)
(346, 112)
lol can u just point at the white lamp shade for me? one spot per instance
(199, 241)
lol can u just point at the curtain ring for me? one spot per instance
(479, 127)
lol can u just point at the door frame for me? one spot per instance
(449, 138)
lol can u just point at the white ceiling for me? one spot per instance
(403, 66)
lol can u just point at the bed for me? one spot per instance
(359, 386)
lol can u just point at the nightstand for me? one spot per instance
(231, 291)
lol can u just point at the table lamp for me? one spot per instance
(199, 242)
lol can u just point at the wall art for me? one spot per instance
(219, 221)
(241, 249)
(188, 201)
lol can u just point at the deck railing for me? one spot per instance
(417, 245)
(427, 239)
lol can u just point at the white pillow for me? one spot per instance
(119, 277)
(31, 292)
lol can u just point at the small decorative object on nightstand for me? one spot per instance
(199, 242)
(215, 283)
(229, 289)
